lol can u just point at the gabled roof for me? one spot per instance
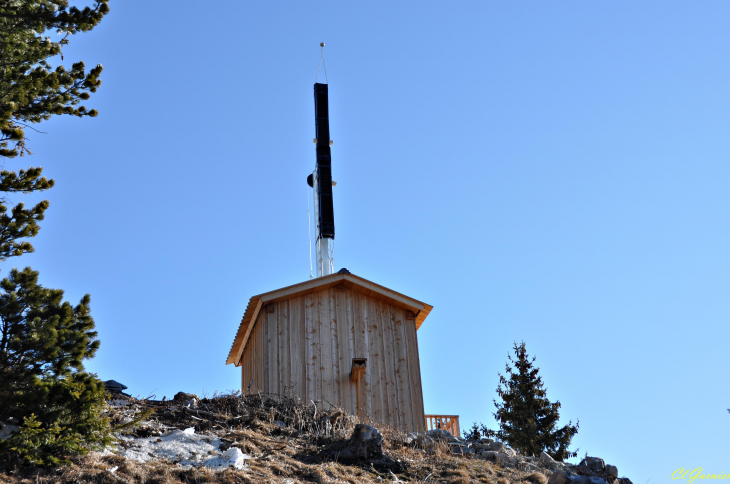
(357, 284)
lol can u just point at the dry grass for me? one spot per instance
(304, 451)
(281, 467)
(537, 478)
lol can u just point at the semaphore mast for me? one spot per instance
(321, 182)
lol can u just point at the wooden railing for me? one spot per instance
(444, 422)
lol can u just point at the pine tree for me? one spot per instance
(31, 91)
(44, 341)
(527, 419)
(43, 385)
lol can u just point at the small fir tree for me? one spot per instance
(43, 385)
(527, 419)
(473, 433)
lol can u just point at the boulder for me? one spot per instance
(181, 397)
(366, 443)
(559, 466)
(488, 454)
(595, 464)
(499, 458)
(461, 449)
(612, 471)
(564, 477)
(550, 463)
(546, 459)
(420, 440)
(411, 437)
(501, 448)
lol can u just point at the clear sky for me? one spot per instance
(553, 172)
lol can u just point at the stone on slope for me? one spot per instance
(420, 440)
(528, 467)
(183, 397)
(550, 463)
(460, 449)
(612, 471)
(501, 448)
(595, 464)
(564, 477)
(498, 458)
(545, 458)
(366, 443)
(412, 437)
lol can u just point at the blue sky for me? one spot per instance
(553, 172)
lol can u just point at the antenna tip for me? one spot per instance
(321, 44)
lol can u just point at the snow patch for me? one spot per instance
(183, 447)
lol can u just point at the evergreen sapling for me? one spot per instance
(527, 419)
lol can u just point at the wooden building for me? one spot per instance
(324, 339)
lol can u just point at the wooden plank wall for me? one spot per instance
(304, 346)
(252, 367)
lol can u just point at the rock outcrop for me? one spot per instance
(591, 470)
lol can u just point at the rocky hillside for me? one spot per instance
(236, 439)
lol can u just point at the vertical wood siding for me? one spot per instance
(252, 367)
(304, 347)
(310, 348)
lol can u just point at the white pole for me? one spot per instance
(323, 246)
(325, 255)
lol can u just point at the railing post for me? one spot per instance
(449, 423)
